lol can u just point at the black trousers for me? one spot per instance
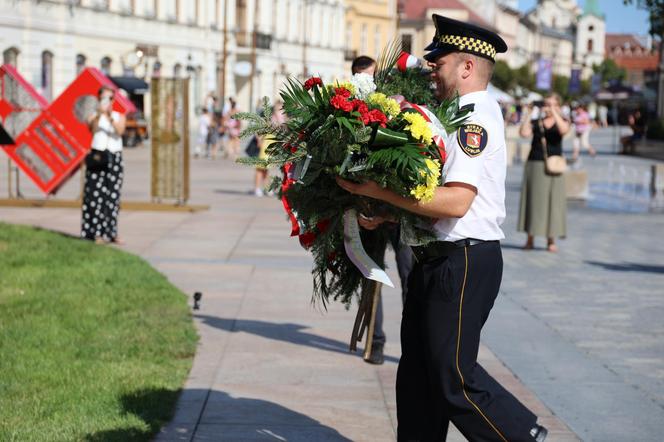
(439, 379)
(101, 201)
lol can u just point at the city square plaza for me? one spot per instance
(577, 335)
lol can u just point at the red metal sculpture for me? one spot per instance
(50, 141)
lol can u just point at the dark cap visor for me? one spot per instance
(439, 51)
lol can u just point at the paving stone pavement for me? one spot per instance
(590, 316)
(578, 335)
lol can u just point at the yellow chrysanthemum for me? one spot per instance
(345, 84)
(425, 192)
(388, 105)
(418, 127)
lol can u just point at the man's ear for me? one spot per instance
(468, 65)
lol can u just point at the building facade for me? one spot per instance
(637, 56)
(369, 27)
(416, 27)
(209, 41)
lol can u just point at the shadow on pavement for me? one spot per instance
(230, 418)
(153, 407)
(288, 332)
(628, 267)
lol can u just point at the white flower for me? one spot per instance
(364, 85)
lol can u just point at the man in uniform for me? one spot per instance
(456, 279)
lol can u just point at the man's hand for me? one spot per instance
(370, 223)
(369, 188)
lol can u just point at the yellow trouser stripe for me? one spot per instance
(463, 385)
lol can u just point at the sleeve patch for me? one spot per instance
(472, 139)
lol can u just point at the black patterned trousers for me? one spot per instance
(101, 201)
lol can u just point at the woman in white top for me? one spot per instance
(103, 177)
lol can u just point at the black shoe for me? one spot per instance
(376, 356)
(538, 433)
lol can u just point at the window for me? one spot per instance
(156, 69)
(590, 45)
(105, 65)
(80, 63)
(363, 40)
(10, 56)
(167, 9)
(177, 70)
(349, 35)
(377, 42)
(47, 75)
(190, 11)
(591, 28)
(213, 12)
(407, 43)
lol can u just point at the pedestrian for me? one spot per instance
(543, 208)
(637, 124)
(104, 172)
(363, 65)
(218, 140)
(402, 253)
(603, 113)
(211, 139)
(582, 128)
(203, 133)
(455, 280)
(232, 130)
(278, 118)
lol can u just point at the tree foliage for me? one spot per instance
(609, 71)
(655, 10)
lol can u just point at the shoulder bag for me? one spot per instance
(553, 164)
(98, 160)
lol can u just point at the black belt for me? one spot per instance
(439, 249)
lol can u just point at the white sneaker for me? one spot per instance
(258, 192)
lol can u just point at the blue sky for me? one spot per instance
(619, 18)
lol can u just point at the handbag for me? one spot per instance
(253, 150)
(553, 164)
(97, 160)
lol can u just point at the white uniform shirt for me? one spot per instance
(106, 138)
(476, 155)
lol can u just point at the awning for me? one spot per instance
(499, 95)
(132, 85)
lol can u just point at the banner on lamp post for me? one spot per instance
(595, 83)
(574, 87)
(544, 78)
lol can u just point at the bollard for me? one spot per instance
(656, 179)
(197, 300)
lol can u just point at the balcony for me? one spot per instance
(263, 41)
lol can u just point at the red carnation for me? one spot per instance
(376, 116)
(342, 91)
(307, 239)
(323, 225)
(340, 102)
(313, 81)
(360, 106)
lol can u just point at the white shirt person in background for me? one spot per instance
(104, 172)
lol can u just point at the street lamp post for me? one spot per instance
(660, 82)
(224, 55)
(305, 70)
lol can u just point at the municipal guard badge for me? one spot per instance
(472, 139)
